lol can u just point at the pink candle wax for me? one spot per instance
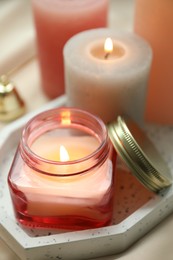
(68, 188)
(73, 193)
(153, 21)
(56, 21)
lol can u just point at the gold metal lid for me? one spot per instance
(139, 154)
(11, 104)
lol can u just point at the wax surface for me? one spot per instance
(107, 87)
(48, 146)
(97, 51)
(153, 21)
(56, 22)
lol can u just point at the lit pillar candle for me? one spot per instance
(107, 82)
(56, 21)
(62, 175)
(154, 21)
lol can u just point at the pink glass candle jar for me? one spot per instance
(56, 21)
(62, 173)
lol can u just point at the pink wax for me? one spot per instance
(153, 21)
(56, 22)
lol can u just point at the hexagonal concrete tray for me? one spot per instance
(136, 209)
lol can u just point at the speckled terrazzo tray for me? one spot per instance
(136, 210)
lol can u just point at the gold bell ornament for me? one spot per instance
(11, 104)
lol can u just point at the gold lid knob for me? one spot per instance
(11, 104)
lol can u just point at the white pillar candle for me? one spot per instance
(107, 83)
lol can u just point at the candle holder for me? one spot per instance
(62, 174)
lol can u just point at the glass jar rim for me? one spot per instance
(99, 155)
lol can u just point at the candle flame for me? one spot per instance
(108, 46)
(64, 156)
(65, 118)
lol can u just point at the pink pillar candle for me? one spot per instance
(154, 21)
(62, 175)
(56, 21)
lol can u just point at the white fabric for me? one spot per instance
(17, 37)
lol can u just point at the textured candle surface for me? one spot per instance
(110, 86)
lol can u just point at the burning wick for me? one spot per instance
(108, 47)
